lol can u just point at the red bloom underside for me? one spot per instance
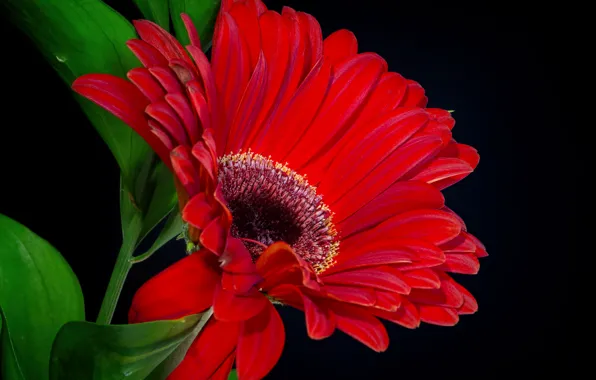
(360, 135)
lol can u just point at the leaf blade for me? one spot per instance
(84, 350)
(38, 294)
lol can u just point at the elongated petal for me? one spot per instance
(361, 326)
(210, 352)
(184, 288)
(279, 264)
(260, 345)
(233, 307)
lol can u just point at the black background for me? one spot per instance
(491, 63)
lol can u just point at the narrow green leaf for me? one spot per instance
(80, 37)
(202, 13)
(38, 294)
(171, 229)
(163, 198)
(84, 350)
(156, 11)
(233, 375)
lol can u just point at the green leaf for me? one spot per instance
(163, 197)
(80, 37)
(38, 294)
(84, 350)
(202, 13)
(156, 11)
(233, 375)
(171, 229)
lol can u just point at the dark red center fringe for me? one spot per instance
(270, 203)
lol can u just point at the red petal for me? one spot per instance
(238, 282)
(248, 26)
(361, 326)
(470, 306)
(460, 263)
(184, 111)
(260, 345)
(378, 278)
(399, 198)
(165, 115)
(433, 226)
(387, 301)
(422, 278)
(231, 68)
(167, 78)
(184, 288)
(249, 107)
(407, 157)
(233, 307)
(443, 168)
(350, 294)
(214, 236)
(193, 35)
(147, 54)
(414, 95)
(299, 112)
(153, 34)
(437, 315)
(223, 372)
(406, 316)
(237, 258)
(279, 264)
(185, 171)
(385, 136)
(210, 352)
(339, 46)
(146, 83)
(199, 212)
(349, 89)
(463, 243)
(371, 255)
(311, 32)
(125, 101)
(320, 320)
(448, 295)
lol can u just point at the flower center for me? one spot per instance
(270, 202)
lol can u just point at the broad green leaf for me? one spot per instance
(202, 13)
(86, 36)
(80, 37)
(233, 375)
(9, 365)
(38, 294)
(156, 11)
(85, 350)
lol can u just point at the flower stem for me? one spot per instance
(121, 269)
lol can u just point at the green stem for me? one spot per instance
(121, 269)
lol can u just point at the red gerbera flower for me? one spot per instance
(308, 174)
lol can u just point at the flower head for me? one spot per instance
(308, 174)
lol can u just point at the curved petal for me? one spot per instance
(233, 307)
(260, 345)
(279, 264)
(210, 352)
(184, 288)
(361, 326)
